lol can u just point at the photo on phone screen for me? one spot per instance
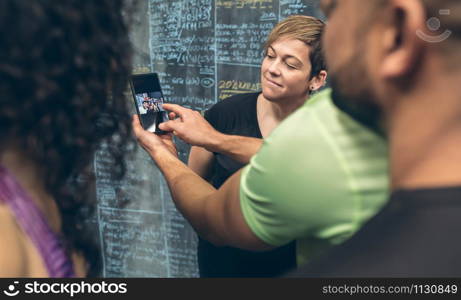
(149, 100)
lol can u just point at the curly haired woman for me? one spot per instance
(63, 71)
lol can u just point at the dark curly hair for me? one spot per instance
(64, 66)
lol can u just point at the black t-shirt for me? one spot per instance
(417, 234)
(236, 115)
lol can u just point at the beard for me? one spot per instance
(352, 93)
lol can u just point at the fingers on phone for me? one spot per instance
(177, 109)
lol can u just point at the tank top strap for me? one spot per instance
(33, 223)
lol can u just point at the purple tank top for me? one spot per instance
(33, 223)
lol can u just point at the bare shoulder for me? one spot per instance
(79, 264)
(13, 249)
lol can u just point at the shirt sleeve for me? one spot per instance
(297, 185)
(210, 116)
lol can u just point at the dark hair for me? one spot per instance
(63, 72)
(308, 30)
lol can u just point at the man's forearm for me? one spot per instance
(239, 148)
(190, 193)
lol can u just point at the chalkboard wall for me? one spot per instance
(204, 52)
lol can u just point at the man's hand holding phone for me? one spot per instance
(153, 143)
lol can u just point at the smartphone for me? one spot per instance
(148, 100)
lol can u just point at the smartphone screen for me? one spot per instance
(148, 99)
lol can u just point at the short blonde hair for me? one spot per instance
(308, 30)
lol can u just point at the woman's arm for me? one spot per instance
(201, 162)
(200, 133)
